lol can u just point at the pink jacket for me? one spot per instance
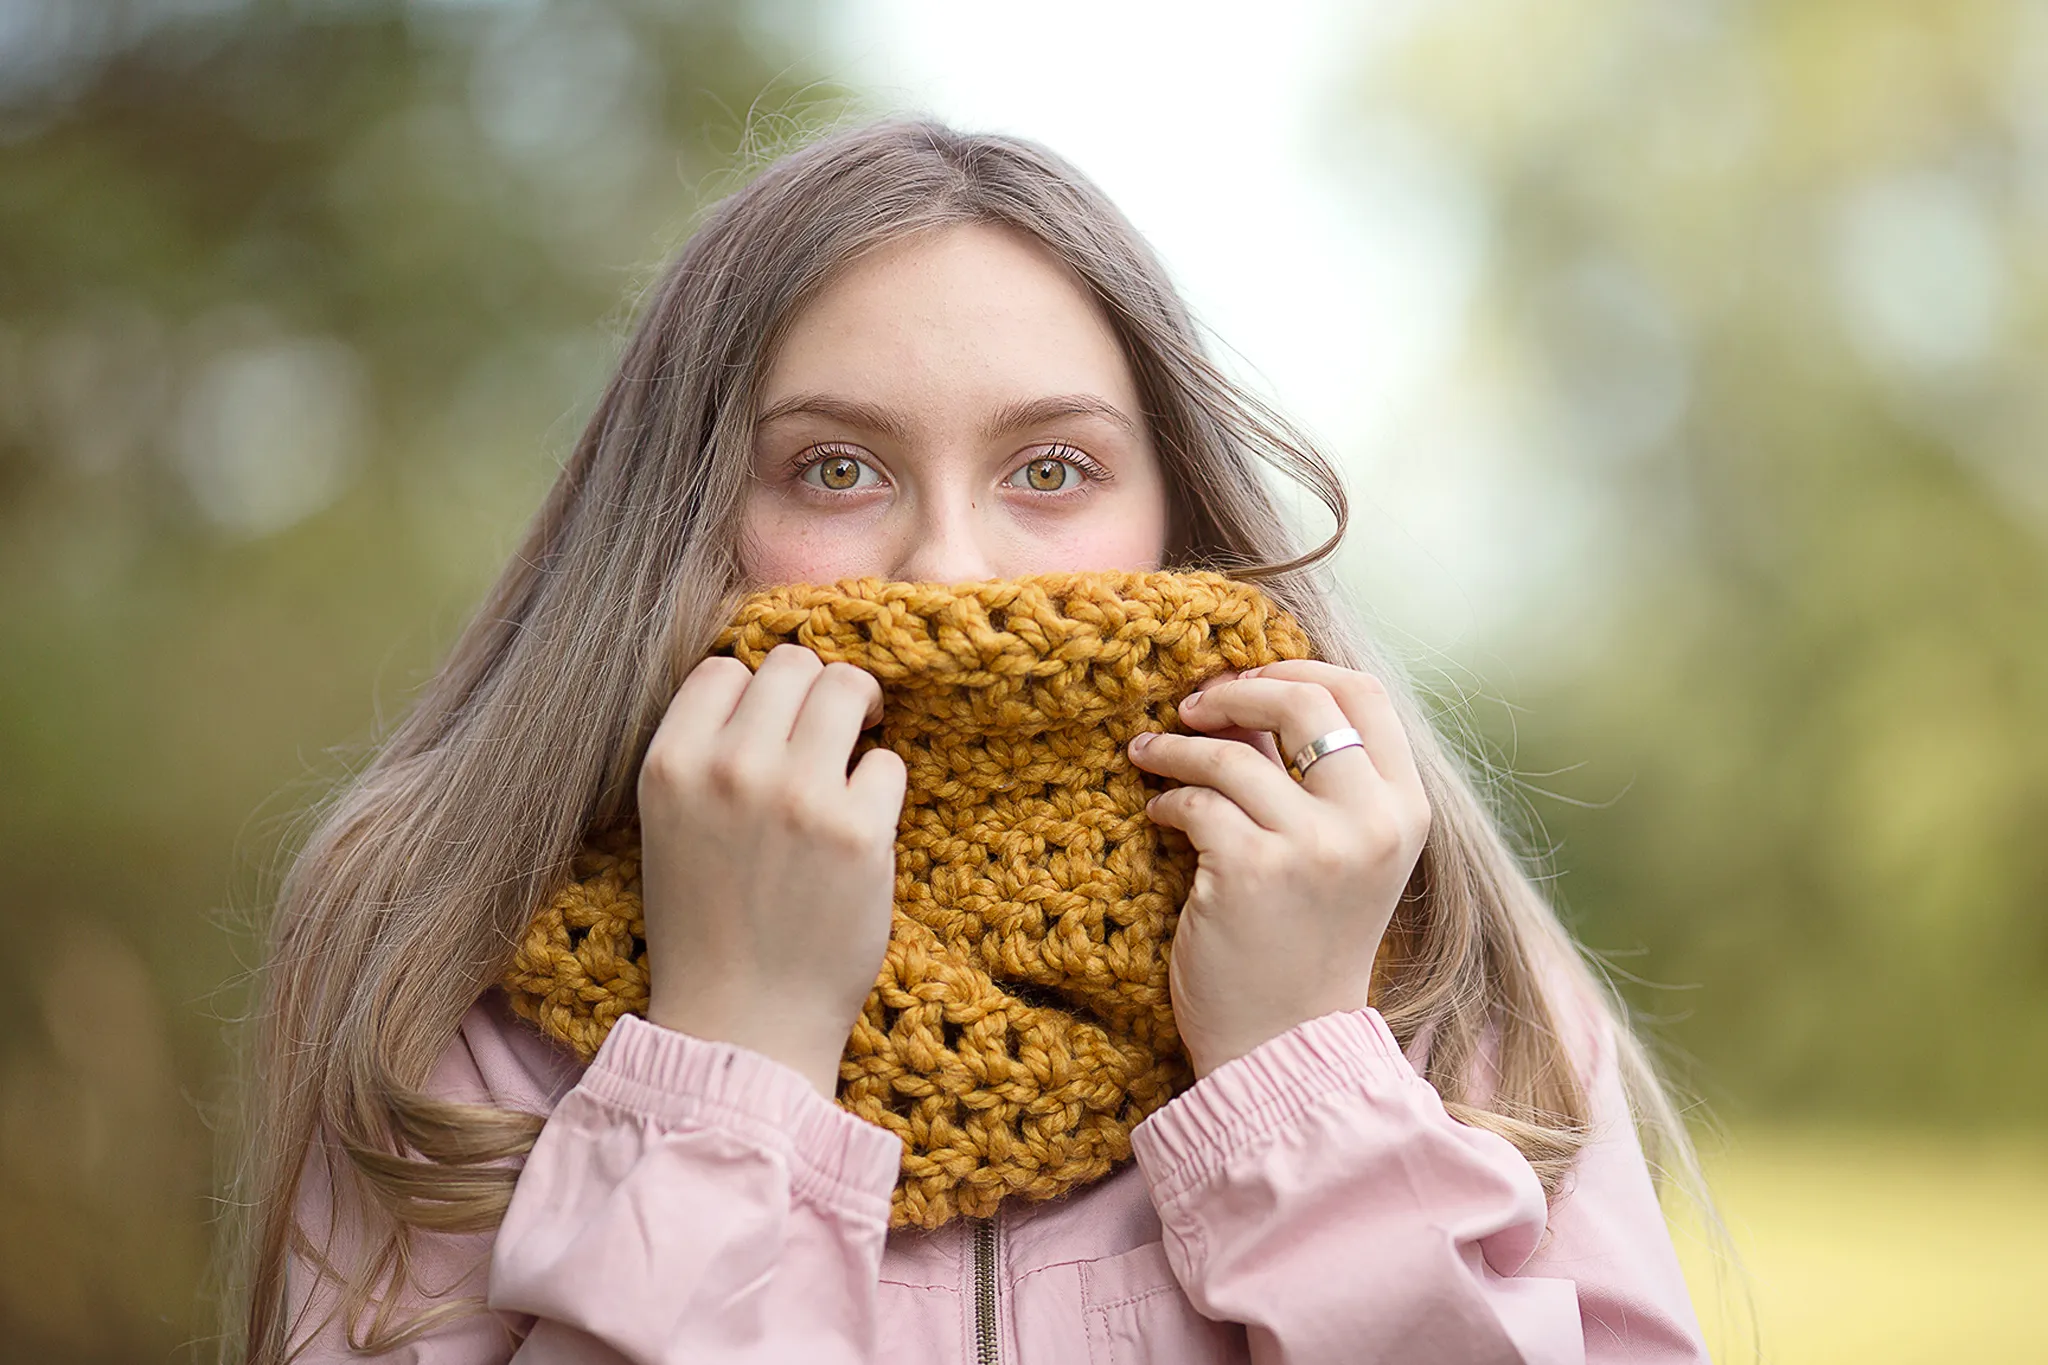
(1308, 1203)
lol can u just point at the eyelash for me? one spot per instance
(1091, 472)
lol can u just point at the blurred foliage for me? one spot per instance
(296, 301)
(1768, 285)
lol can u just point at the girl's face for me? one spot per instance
(953, 406)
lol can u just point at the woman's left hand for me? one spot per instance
(1295, 881)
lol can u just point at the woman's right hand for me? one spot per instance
(767, 871)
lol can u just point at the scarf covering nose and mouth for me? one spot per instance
(1020, 1025)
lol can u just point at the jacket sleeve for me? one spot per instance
(1316, 1190)
(686, 1200)
(696, 1201)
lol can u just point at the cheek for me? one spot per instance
(778, 544)
(1113, 539)
(1123, 546)
(1129, 535)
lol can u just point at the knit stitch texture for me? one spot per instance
(1020, 1024)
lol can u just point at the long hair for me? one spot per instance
(401, 906)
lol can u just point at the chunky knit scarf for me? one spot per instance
(1020, 1026)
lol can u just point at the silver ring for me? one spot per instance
(1305, 757)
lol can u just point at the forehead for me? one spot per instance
(968, 315)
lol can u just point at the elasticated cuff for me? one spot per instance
(1249, 1097)
(676, 1078)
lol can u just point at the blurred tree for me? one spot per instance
(299, 303)
(1769, 290)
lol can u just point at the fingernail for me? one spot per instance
(1140, 741)
(1250, 672)
(1192, 699)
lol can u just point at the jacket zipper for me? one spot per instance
(987, 1335)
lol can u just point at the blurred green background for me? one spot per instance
(300, 303)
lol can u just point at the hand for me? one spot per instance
(1295, 882)
(767, 871)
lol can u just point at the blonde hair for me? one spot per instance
(401, 906)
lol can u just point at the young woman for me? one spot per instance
(914, 354)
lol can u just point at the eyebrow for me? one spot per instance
(1006, 420)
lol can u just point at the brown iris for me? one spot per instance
(839, 464)
(1054, 468)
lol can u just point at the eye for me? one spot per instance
(1047, 473)
(838, 470)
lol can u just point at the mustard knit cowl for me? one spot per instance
(1020, 1025)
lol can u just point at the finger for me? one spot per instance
(1260, 789)
(1210, 819)
(1262, 740)
(766, 714)
(1368, 708)
(704, 702)
(1298, 711)
(880, 779)
(831, 717)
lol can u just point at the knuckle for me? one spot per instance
(1383, 838)
(1306, 699)
(731, 776)
(850, 677)
(1330, 851)
(711, 665)
(812, 814)
(1212, 760)
(791, 805)
(789, 654)
(1252, 757)
(842, 837)
(660, 769)
(1396, 843)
